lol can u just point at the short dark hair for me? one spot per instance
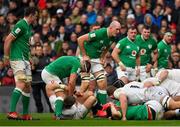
(30, 10)
(69, 101)
(146, 27)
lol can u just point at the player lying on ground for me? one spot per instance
(150, 110)
(128, 95)
(65, 66)
(78, 106)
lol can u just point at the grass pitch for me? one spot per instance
(46, 120)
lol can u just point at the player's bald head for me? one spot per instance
(115, 24)
(114, 28)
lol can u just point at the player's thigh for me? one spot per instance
(49, 78)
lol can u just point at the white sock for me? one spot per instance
(52, 100)
(177, 111)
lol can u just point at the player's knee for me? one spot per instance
(20, 77)
(60, 88)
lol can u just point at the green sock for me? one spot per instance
(58, 107)
(14, 99)
(25, 101)
(102, 96)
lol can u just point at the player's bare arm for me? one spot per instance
(71, 84)
(81, 41)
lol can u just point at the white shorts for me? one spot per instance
(81, 110)
(23, 66)
(157, 107)
(96, 66)
(49, 78)
(130, 73)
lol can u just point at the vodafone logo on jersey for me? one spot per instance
(134, 53)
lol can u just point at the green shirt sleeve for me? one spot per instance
(17, 30)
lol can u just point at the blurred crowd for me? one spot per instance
(61, 22)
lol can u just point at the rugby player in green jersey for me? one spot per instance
(164, 50)
(52, 75)
(93, 47)
(147, 45)
(126, 55)
(17, 50)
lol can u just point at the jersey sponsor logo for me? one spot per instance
(143, 51)
(128, 47)
(134, 53)
(92, 35)
(132, 86)
(17, 30)
(149, 46)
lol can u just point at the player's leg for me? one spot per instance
(85, 78)
(26, 92)
(98, 72)
(169, 103)
(55, 91)
(20, 79)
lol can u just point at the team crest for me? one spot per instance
(134, 53)
(128, 47)
(17, 30)
(149, 46)
(143, 51)
(165, 50)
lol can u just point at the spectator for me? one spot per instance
(73, 42)
(37, 83)
(53, 27)
(44, 17)
(3, 70)
(78, 30)
(110, 74)
(75, 15)
(62, 35)
(8, 80)
(44, 32)
(91, 14)
(69, 26)
(60, 16)
(84, 23)
(138, 14)
(175, 58)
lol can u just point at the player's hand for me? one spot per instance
(102, 61)
(123, 68)
(6, 60)
(86, 58)
(79, 94)
(148, 68)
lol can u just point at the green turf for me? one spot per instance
(45, 120)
